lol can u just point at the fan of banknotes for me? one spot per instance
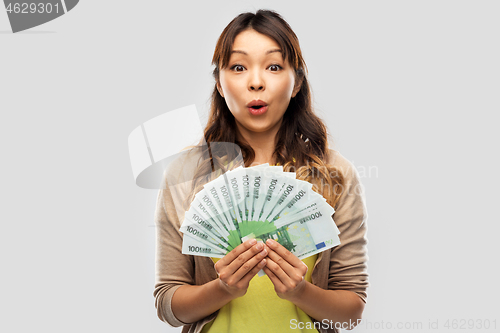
(259, 202)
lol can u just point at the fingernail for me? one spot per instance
(263, 252)
(259, 246)
(270, 242)
(253, 241)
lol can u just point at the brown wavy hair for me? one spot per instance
(302, 140)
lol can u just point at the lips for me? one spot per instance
(257, 107)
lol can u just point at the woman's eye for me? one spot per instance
(274, 68)
(238, 68)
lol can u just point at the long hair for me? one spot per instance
(302, 140)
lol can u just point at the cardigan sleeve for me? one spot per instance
(348, 261)
(173, 269)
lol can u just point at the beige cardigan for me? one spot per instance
(343, 267)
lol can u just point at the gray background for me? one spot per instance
(408, 88)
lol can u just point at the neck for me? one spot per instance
(262, 143)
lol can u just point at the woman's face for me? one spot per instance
(257, 76)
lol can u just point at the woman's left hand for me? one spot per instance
(285, 270)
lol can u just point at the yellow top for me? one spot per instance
(260, 310)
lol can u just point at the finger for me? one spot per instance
(250, 265)
(242, 264)
(287, 255)
(228, 258)
(285, 266)
(278, 285)
(277, 271)
(290, 282)
(260, 265)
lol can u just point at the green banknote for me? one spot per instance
(261, 202)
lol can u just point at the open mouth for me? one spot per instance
(257, 107)
(257, 110)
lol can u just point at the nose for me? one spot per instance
(256, 81)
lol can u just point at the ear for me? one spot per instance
(219, 88)
(296, 89)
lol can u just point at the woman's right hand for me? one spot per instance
(239, 266)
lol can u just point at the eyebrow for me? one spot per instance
(243, 52)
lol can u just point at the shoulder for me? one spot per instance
(182, 167)
(343, 165)
(352, 192)
(202, 163)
